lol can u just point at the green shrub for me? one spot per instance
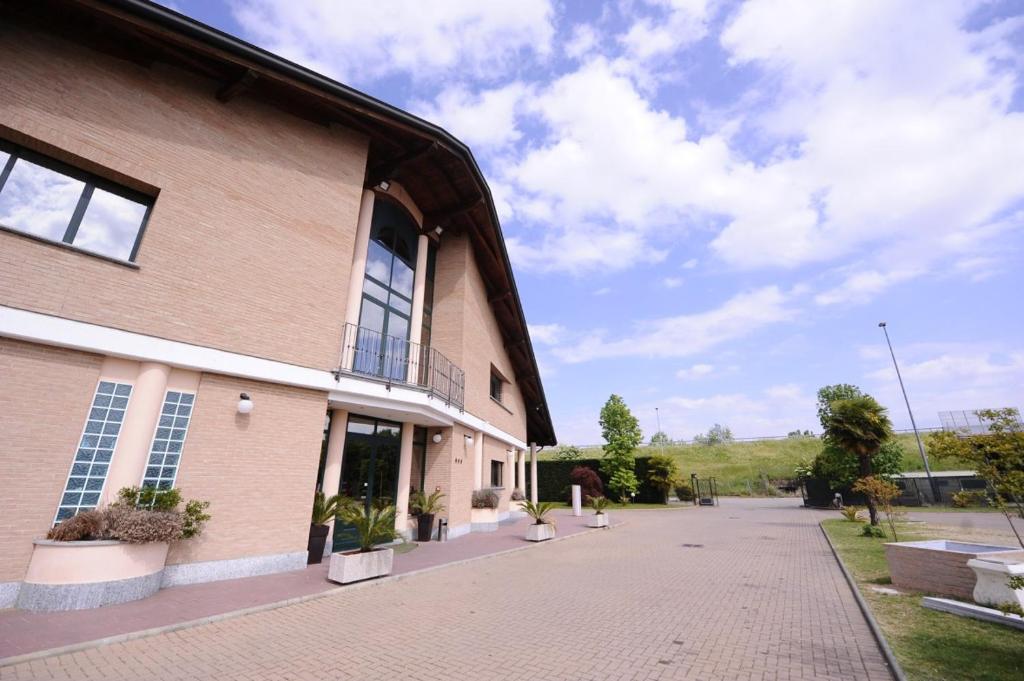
(684, 492)
(874, 531)
(422, 504)
(662, 474)
(373, 526)
(966, 498)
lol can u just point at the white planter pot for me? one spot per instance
(993, 574)
(598, 520)
(484, 519)
(355, 567)
(543, 532)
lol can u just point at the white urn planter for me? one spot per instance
(356, 566)
(598, 520)
(75, 575)
(993, 573)
(541, 532)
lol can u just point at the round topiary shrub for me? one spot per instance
(589, 482)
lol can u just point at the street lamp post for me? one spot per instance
(913, 424)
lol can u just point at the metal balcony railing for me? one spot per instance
(371, 354)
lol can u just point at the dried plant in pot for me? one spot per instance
(373, 526)
(600, 518)
(484, 512)
(425, 507)
(543, 526)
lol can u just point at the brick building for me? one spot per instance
(222, 272)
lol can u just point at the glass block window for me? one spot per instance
(168, 440)
(95, 449)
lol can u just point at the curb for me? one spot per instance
(890, 659)
(220, 617)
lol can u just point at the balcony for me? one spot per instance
(370, 354)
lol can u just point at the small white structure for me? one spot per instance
(993, 573)
(355, 567)
(577, 501)
(540, 532)
(598, 520)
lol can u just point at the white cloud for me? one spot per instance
(359, 42)
(672, 282)
(861, 287)
(584, 41)
(695, 371)
(603, 291)
(547, 334)
(688, 334)
(689, 264)
(483, 120)
(679, 23)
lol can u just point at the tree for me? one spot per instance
(622, 435)
(660, 438)
(829, 394)
(859, 426)
(835, 466)
(716, 435)
(880, 493)
(662, 474)
(998, 457)
(568, 453)
(589, 482)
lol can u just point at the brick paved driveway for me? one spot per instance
(761, 598)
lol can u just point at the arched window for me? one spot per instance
(384, 318)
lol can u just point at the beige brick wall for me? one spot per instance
(259, 471)
(45, 395)
(249, 244)
(466, 331)
(495, 450)
(450, 467)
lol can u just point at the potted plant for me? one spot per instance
(484, 514)
(542, 528)
(373, 526)
(325, 510)
(109, 555)
(425, 508)
(600, 518)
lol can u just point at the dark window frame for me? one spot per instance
(497, 473)
(91, 182)
(497, 386)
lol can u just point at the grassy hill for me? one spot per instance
(739, 464)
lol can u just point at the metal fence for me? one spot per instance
(371, 354)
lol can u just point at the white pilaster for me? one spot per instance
(332, 462)
(521, 471)
(478, 460)
(419, 287)
(355, 281)
(509, 480)
(533, 472)
(404, 474)
(132, 452)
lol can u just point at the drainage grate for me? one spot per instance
(692, 546)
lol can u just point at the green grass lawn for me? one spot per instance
(739, 466)
(930, 646)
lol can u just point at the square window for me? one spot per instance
(115, 416)
(186, 398)
(84, 455)
(181, 422)
(174, 446)
(102, 401)
(98, 414)
(184, 410)
(166, 421)
(98, 470)
(163, 433)
(168, 408)
(103, 455)
(107, 442)
(105, 388)
(171, 460)
(64, 513)
(119, 403)
(71, 498)
(497, 470)
(153, 472)
(94, 426)
(80, 469)
(123, 389)
(112, 429)
(76, 483)
(94, 484)
(90, 498)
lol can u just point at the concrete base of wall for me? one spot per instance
(459, 530)
(55, 597)
(9, 594)
(216, 570)
(484, 527)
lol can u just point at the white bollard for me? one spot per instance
(577, 500)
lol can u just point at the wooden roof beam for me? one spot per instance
(384, 170)
(236, 87)
(443, 215)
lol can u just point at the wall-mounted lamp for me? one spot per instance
(439, 230)
(469, 440)
(384, 185)
(244, 403)
(437, 438)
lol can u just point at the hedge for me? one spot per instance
(553, 479)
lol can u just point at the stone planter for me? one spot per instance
(76, 575)
(936, 566)
(484, 519)
(515, 509)
(356, 566)
(598, 520)
(993, 573)
(542, 532)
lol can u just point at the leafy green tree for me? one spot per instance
(829, 394)
(568, 453)
(622, 435)
(859, 426)
(716, 435)
(997, 455)
(662, 474)
(840, 470)
(660, 438)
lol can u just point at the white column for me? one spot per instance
(521, 471)
(509, 480)
(533, 472)
(419, 287)
(132, 452)
(355, 280)
(332, 462)
(478, 458)
(404, 473)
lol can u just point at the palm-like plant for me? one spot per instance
(326, 509)
(372, 525)
(420, 503)
(599, 504)
(860, 426)
(539, 511)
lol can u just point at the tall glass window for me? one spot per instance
(95, 449)
(168, 440)
(55, 202)
(384, 319)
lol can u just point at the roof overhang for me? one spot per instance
(439, 171)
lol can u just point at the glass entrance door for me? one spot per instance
(369, 469)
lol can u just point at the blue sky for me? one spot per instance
(709, 204)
